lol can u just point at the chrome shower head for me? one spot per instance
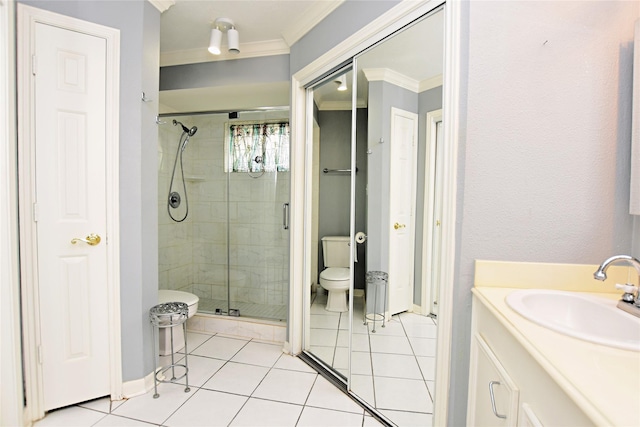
(185, 129)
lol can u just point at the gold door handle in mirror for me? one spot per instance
(397, 226)
(92, 240)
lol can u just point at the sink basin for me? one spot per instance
(586, 317)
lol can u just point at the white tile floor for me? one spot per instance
(392, 369)
(234, 382)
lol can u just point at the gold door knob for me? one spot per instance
(397, 226)
(92, 240)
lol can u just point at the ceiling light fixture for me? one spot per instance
(224, 25)
(342, 82)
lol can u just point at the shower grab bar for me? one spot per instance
(285, 216)
(325, 170)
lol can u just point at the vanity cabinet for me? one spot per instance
(524, 393)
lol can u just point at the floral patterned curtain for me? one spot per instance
(266, 142)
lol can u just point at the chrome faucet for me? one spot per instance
(631, 294)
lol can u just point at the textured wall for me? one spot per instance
(544, 149)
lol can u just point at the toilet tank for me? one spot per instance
(336, 251)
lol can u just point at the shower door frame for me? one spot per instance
(282, 114)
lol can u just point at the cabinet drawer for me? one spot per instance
(493, 396)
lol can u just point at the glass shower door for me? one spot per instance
(258, 196)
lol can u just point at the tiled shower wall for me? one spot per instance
(233, 233)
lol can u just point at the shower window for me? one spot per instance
(259, 147)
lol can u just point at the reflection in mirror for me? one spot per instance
(328, 335)
(400, 86)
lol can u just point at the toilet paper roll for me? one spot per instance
(360, 237)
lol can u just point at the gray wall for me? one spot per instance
(335, 189)
(266, 69)
(382, 97)
(348, 18)
(139, 25)
(544, 136)
(428, 100)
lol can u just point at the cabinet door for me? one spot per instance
(528, 418)
(493, 396)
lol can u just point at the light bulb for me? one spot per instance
(214, 41)
(233, 40)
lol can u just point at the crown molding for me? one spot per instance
(162, 5)
(398, 79)
(247, 50)
(316, 13)
(431, 83)
(393, 77)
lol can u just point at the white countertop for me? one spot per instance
(603, 381)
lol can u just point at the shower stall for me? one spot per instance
(223, 210)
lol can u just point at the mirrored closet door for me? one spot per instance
(399, 84)
(375, 198)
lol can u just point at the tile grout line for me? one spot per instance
(373, 381)
(315, 380)
(418, 362)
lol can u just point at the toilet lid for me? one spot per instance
(165, 295)
(335, 273)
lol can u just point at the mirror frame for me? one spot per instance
(391, 21)
(320, 364)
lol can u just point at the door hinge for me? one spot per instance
(33, 65)
(40, 354)
(35, 212)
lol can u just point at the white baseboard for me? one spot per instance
(137, 387)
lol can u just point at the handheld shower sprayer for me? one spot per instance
(185, 129)
(175, 197)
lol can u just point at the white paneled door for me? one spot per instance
(402, 170)
(69, 72)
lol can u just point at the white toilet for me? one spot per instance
(336, 252)
(164, 296)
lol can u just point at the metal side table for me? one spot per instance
(375, 305)
(169, 315)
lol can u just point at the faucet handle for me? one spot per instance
(629, 291)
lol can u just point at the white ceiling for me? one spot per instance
(263, 25)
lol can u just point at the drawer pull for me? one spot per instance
(493, 399)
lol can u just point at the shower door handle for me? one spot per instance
(285, 216)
